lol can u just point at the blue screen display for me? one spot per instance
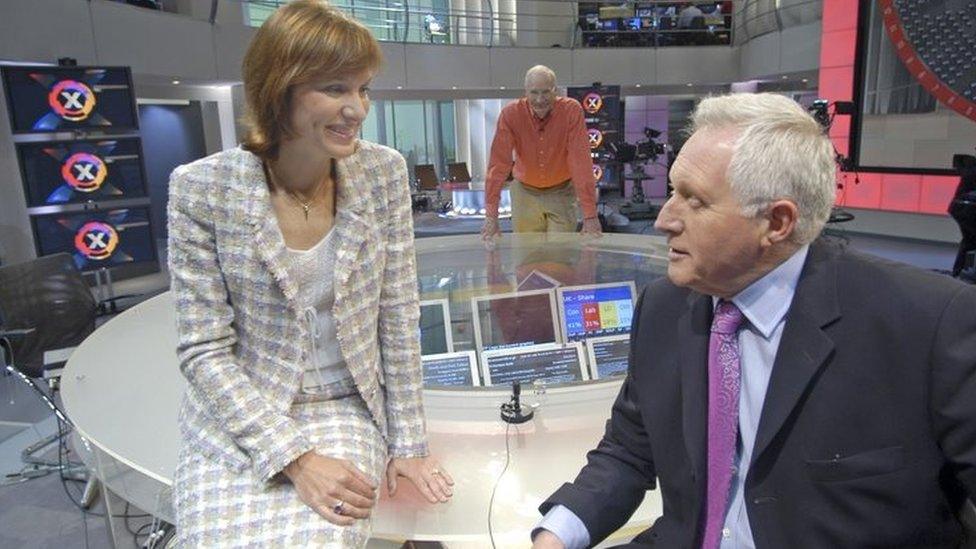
(595, 312)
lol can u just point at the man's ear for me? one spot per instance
(781, 216)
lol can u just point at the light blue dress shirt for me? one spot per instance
(764, 304)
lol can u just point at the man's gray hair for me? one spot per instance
(540, 71)
(781, 152)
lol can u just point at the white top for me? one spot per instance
(313, 270)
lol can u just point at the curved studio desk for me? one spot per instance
(122, 389)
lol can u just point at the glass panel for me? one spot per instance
(410, 134)
(448, 144)
(370, 130)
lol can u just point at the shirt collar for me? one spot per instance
(765, 302)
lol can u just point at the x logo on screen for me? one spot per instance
(592, 102)
(96, 240)
(595, 136)
(84, 172)
(71, 100)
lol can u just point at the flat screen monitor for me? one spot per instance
(633, 23)
(515, 319)
(458, 369)
(608, 24)
(608, 356)
(57, 99)
(596, 310)
(435, 327)
(97, 239)
(552, 363)
(72, 172)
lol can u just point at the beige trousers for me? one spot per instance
(543, 210)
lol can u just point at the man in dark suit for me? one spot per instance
(783, 391)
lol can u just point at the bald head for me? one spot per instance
(540, 89)
(540, 75)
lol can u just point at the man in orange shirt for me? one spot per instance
(552, 165)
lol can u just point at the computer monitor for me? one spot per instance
(552, 363)
(595, 310)
(633, 23)
(120, 239)
(515, 319)
(435, 327)
(458, 369)
(47, 98)
(608, 355)
(73, 172)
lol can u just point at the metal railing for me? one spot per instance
(543, 23)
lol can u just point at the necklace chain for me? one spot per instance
(306, 205)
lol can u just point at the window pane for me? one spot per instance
(371, 129)
(448, 148)
(410, 139)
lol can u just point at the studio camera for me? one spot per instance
(646, 150)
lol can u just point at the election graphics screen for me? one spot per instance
(596, 310)
(57, 99)
(97, 239)
(72, 172)
(609, 355)
(552, 363)
(458, 369)
(515, 319)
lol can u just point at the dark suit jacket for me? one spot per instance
(868, 431)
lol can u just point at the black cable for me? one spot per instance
(491, 501)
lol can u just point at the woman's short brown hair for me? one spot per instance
(301, 41)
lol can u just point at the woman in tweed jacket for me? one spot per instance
(294, 278)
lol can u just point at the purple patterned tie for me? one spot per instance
(723, 416)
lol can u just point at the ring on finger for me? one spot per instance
(338, 507)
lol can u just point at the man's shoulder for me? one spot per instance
(888, 281)
(568, 104)
(514, 108)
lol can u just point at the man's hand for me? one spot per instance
(425, 473)
(333, 488)
(591, 227)
(490, 232)
(547, 540)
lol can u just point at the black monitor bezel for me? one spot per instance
(120, 271)
(22, 145)
(5, 69)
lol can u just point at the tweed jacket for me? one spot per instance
(241, 337)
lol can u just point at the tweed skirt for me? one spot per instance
(216, 507)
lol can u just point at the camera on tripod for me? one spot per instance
(636, 155)
(646, 150)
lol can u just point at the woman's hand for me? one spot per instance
(425, 473)
(333, 488)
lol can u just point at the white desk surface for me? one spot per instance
(122, 389)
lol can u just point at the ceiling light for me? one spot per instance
(176, 82)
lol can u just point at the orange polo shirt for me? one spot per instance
(547, 152)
